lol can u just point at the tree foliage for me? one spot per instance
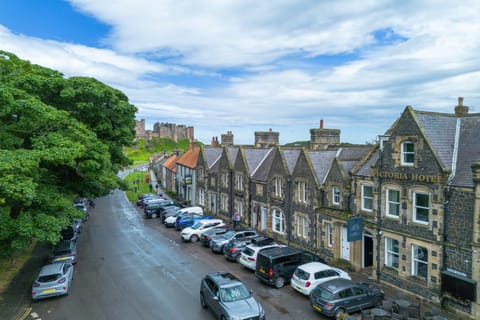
(59, 138)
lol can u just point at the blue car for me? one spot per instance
(188, 221)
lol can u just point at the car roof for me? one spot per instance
(223, 278)
(315, 267)
(63, 244)
(337, 284)
(280, 251)
(51, 269)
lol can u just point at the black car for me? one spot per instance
(233, 249)
(152, 210)
(141, 197)
(207, 235)
(275, 266)
(336, 297)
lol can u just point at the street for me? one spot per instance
(132, 268)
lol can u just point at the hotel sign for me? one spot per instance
(408, 176)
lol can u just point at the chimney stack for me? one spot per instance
(321, 123)
(461, 110)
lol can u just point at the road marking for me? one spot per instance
(34, 315)
(25, 314)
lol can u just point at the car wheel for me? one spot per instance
(202, 300)
(154, 215)
(279, 282)
(378, 302)
(222, 317)
(339, 313)
(194, 238)
(237, 258)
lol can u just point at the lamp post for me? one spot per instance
(382, 140)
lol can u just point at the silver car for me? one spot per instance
(53, 280)
(228, 298)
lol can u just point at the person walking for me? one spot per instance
(236, 220)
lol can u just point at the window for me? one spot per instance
(277, 187)
(421, 207)
(391, 253)
(393, 202)
(239, 182)
(259, 189)
(213, 181)
(224, 202)
(336, 195)
(305, 227)
(239, 207)
(225, 179)
(299, 226)
(302, 226)
(419, 262)
(278, 221)
(408, 153)
(201, 197)
(367, 198)
(329, 234)
(301, 192)
(200, 174)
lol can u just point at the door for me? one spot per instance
(263, 221)
(345, 253)
(367, 251)
(254, 219)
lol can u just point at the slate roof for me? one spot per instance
(189, 158)
(321, 161)
(254, 156)
(468, 150)
(354, 152)
(291, 157)
(263, 170)
(212, 155)
(233, 152)
(365, 169)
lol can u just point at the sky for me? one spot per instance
(249, 65)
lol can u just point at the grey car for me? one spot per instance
(218, 242)
(64, 251)
(335, 297)
(53, 280)
(228, 298)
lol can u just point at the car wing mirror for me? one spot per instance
(215, 298)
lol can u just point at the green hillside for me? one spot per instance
(141, 150)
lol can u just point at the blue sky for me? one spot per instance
(246, 66)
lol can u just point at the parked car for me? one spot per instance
(206, 236)
(166, 212)
(194, 232)
(307, 276)
(77, 225)
(64, 251)
(233, 249)
(275, 266)
(171, 220)
(150, 200)
(69, 233)
(335, 297)
(217, 242)
(52, 280)
(188, 221)
(228, 298)
(152, 209)
(141, 202)
(82, 208)
(248, 256)
(143, 196)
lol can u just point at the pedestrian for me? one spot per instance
(91, 204)
(236, 220)
(151, 187)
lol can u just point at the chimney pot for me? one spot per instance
(460, 101)
(321, 123)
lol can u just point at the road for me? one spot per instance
(132, 268)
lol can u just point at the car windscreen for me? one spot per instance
(234, 293)
(248, 251)
(49, 277)
(228, 235)
(302, 274)
(62, 252)
(197, 225)
(322, 293)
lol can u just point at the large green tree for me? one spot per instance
(59, 138)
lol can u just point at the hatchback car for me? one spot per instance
(217, 243)
(206, 236)
(307, 276)
(53, 280)
(64, 251)
(228, 298)
(194, 232)
(336, 297)
(248, 256)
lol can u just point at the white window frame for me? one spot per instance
(364, 208)
(239, 182)
(225, 179)
(405, 153)
(224, 202)
(416, 207)
(278, 219)
(277, 187)
(416, 260)
(391, 254)
(306, 226)
(392, 202)
(336, 195)
(329, 234)
(302, 192)
(201, 197)
(299, 228)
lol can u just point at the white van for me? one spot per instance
(194, 232)
(170, 221)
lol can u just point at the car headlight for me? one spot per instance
(235, 318)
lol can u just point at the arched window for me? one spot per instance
(278, 221)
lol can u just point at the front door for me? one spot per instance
(367, 251)
(345, 254)
(263, 222)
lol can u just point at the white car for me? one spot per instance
(53, 280)
(170, 221)
(248, 257)
(194, 232)
(307, 276)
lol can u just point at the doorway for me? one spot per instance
(345, 253)
(367, 250)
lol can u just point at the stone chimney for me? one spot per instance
(461, 110)
(321, 138)
(214, 142)
(266, 139)
(227, 139)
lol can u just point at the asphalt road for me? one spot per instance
(132, 268)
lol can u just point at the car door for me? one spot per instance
(210, 292)
(362, 298)
(347, 300)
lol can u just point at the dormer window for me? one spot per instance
(408, 153)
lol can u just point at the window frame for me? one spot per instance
(415, 207)
(301, 192)
(390, 253)
(278, 218)
(329, 234)
(416, 261)
(277, 187)
(405, 153)
(336, 195)
(389, 202)
(239, 181)
(363, 197)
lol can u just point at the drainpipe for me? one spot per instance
(379, 210)
(288, 198)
